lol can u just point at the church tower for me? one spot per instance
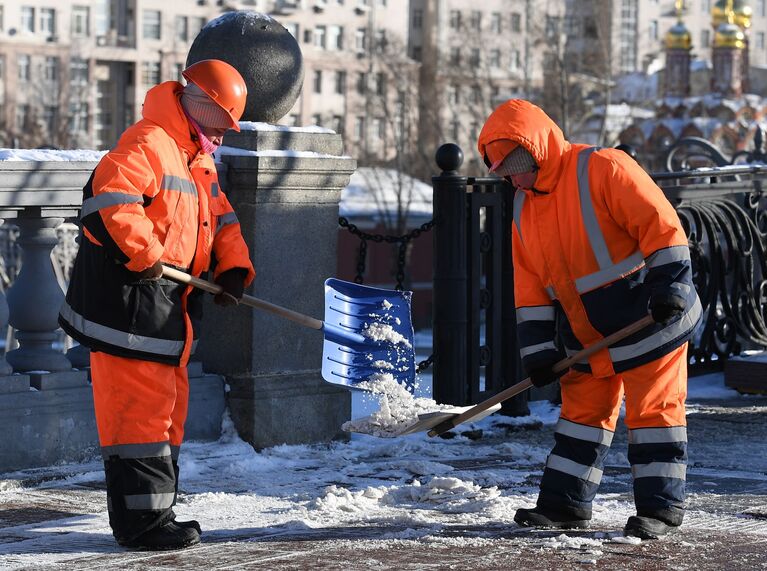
(728, 56)
(678, 45)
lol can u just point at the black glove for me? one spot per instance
(233, 283)
(544, 375)
(665, 306)
(153, 272)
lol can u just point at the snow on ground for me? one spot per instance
(414, 488)
(50, 155)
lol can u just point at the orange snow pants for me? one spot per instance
(655, 416)
(141, 407)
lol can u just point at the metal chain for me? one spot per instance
(425, 364)
(402, 253)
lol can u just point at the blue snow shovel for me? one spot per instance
(368, 330)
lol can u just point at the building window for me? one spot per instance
(417, 19)
(476, 94)
(381, 40)
(496, 24)
(760, 40)
(49, 118)
(475, 57)
(705, 6)
(455, 20)
(24, 64)
(22, 116)
(317, 81)
(338, 124)
(2, 19)
(455, 56)
(515, 63)
(362, 83)
(28, 19)
(81, 16)
(335, 38)
(48, 22)
(381, 83)
(761, 8)
(78, 117)
(317, 119)
(452, 95)
(516, 22)
(653, 30)
(319, 37)
(195, 25)
(51, 69)
(359, 128)
(182, 28)
(476, 20)
(361, 40)
(379, 128)
(179, 72)
(455, 129)
(705, 38)
(152, 25)
(78, 71)
(150, 73)
(341, 82)
(495, 59)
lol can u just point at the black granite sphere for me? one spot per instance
(264, 52)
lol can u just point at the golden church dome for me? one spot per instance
(741, 10)
(678, 37)
(729, 36)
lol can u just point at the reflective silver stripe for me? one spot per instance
(658, 435)
(536, 313)
(668, 256)
(226, 219)
(551, 292)
(149, 501)
(571, 352)
(606, 275)
(173, 182)
(526, 351)
(214, 189)
(588, 473)
(674, 330)
(660, 470)
(684, 288)
(120, 338)
(150, 450)
(583, 432)
(107, 199)
(519, 201)
(593, 231)
(174, 452)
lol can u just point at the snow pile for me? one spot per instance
(566, 542)
(374, 191)
(450, 495)
(257, 126)
(399, 408)
(235, 151)
(378, 331)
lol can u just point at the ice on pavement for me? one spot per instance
(413, 488)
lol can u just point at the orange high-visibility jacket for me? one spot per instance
(591, 242)
(155, 196)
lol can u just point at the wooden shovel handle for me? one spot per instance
(249, 300)
(560, 366)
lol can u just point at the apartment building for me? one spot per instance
(474, 56)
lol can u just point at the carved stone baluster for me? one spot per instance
(35, 297)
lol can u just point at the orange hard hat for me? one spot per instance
(222, 83)
(498, 150)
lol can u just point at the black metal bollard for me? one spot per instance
(450, 314)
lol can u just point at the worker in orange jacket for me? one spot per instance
(595, 246)
(154, 199)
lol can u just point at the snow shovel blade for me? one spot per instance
(382, 318)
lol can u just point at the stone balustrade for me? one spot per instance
(291, 182)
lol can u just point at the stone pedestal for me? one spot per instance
(285, 187)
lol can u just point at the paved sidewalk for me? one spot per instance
(726, 527)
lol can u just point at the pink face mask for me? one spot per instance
(206, 144)
(524, 180)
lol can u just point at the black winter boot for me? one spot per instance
(191, 524)
(164, 537)
(543, 518)
(645, 527)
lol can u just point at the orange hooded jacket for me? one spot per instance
(155, 196)
(591, 242)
